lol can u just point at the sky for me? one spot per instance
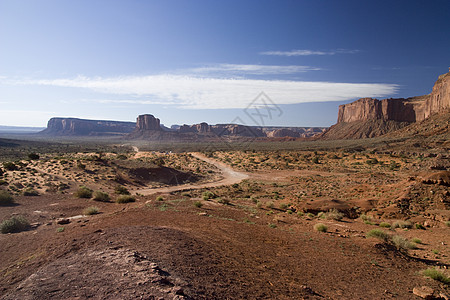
(271, 63)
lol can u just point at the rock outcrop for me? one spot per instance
(82, 127)
(368, 117)
(147, 122)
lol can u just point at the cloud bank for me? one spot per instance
(192, 92)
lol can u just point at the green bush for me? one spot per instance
(283, 206)
(83, 192)
(125, 199)
(270, 205)
(159, 198)
(333, 214)
(402, 243)
(33, 156)
(6, 198)
(436, 275)
(402, 224)
(208, 195)
(420, 226)
(224, 201)
(30, 192)
(121, 190)
(91, 210)
(320, 227)
(10, 166)
(14, 224)
(198, 204)
(101, 196)
(379, 234)
(416, 240)
(385, 225)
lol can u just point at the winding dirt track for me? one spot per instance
(230, 176)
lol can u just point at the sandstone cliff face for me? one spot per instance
(439, 99)
(147, 122)
(73, 126)
(368, 117)
(414, 109)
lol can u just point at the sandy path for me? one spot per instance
(230, 176)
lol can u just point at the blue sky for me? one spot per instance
(193, 61)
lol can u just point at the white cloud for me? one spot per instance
(215, 93)
(308, 52)
(253, 69)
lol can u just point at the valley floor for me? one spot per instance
(240, 225)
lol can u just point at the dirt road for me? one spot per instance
(230, 176)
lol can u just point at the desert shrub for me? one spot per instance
(83, 192)
(60, 229)
(393, 165)
(289, 211)
(258, 204)
(436, 274)
(419, 226)
(6, 198)
(208, 195)
(101, 196)
(3, 182)
(372, 161)
(122, 157)
(272, 225)
(379, 234)
(447, 223)
(402, 243)
(10, 166)
(224, 201)
(121, 190)
(270, 205)
(333, 214)
(159, 198)
(316, 160)
(33, 156)
(14, 224)
(30, 192)
(80, 165)
(91, 210)
(385, 225)
(125, 199)
(198, 204)
(416, 240)
(401, 224)
(365, 217)
(283, 206)
(320, 227)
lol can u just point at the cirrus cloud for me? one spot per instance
(308, 52)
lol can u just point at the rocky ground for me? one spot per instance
(257, 238)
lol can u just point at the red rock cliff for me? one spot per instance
(147, 122)
(400, 110)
